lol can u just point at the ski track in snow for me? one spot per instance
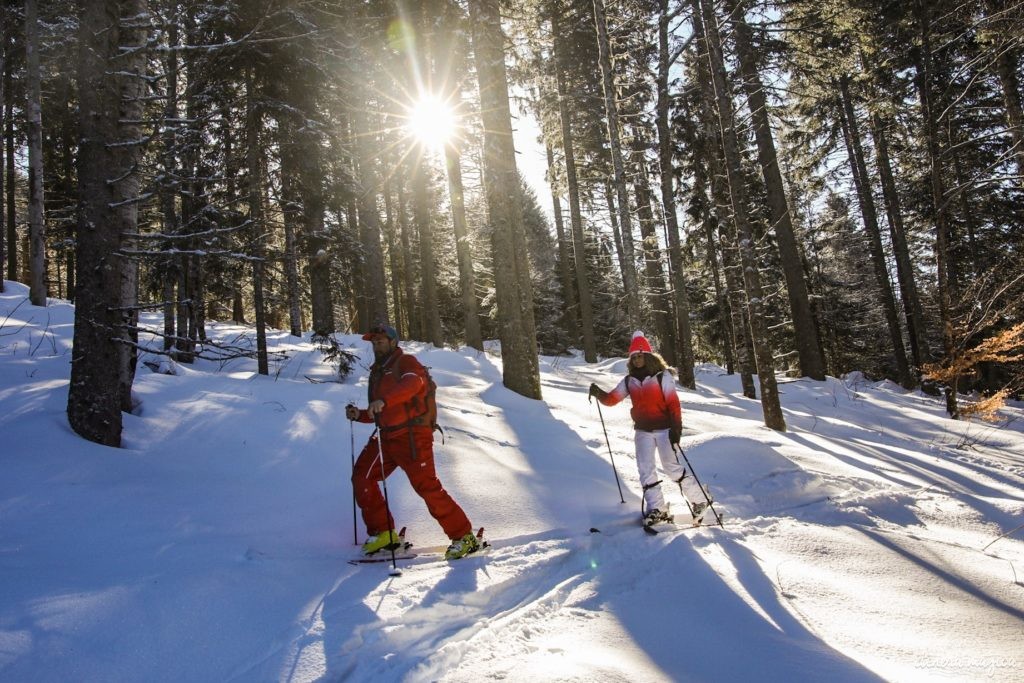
(859, 545)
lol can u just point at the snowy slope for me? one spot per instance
(212, 547)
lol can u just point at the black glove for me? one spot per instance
(596, 391)
(351, 412)
(673, 435)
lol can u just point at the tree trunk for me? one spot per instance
(36, 219)
(192, 193)
(291, 214)
(866, 199)
(374, 284)
(901, 250)
(677, 274)
(8, 105)
(431, 315)
(131, 68)
(256, 222)
(467, 278)
(716, 181)
(653, 273)
(169, 280)
(183, 347)
(721, 296)
(395, 261)
(1014, 114)
(291, 277)
(360, 295)
(423, 183)
(513, 289)
(304, 145)
(613, 218)
(734, 294)
(1006, 66)
(805, 330)
(408, 272)
(770, 405)
(940, 216)
(629, 274)
(171, 225)
(570, 311)
(94, 407)
(111, 109)
(197, 282)
(575, 215)
(3, 91)
(963, 197)
(322, 305)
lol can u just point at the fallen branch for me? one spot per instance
(1003, 536)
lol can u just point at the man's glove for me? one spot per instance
(351, 412)
(596, 391)
(673, 435)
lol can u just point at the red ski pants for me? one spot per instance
(416, 457)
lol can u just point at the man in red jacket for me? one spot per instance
(404, 438)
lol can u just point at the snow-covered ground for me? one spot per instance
(859, 545)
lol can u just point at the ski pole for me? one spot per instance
(609, 443)
(387, 505)
(699, 485)
(352, 438)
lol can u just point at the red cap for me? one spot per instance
(381, 329)
(639, 344)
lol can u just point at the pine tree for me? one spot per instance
(805, 331)
(568, 143)
(37, 226)
(517, 330)
(869, 213)
(102, 366)
(770, 404)
(3, 98)
(683, 332)
(618, 179)
(8, 15)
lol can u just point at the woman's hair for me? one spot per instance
(653, 364)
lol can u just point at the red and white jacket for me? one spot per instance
(654, 398)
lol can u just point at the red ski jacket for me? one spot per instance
(654, 398)
(396, 381)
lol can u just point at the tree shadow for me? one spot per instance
(697, 627)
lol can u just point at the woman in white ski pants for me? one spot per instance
(658, 420)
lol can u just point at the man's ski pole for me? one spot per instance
(609, 443)
(352, 438)
(699, 485)
(395, 571)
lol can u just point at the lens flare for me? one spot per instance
(432, 122)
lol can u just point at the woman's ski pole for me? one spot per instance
(699, 485)
(609, 443)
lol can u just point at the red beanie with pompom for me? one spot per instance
(639, 344)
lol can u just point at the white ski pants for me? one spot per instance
(646, 445)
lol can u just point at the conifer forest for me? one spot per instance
(787, 188)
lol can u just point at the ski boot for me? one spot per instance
(385, 540)
(462, 547)
(656, 516)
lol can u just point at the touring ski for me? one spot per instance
(404, 553)
(679, 526)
